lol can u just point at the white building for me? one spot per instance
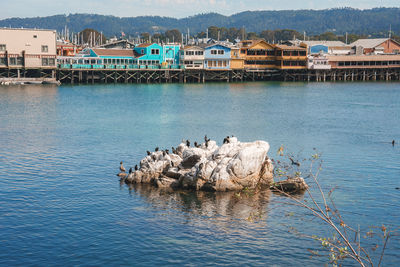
(192, 57)
(318, 62)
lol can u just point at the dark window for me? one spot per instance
(155, 51)
(3, 61)
(3, 47)
(213, 52)
(13, 61)
(20, 60)
(45, 61)
(35, 36)
(45, 48)
(52, 62)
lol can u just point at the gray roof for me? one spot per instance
(326, 43)
(369, 43)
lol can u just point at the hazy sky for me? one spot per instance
(172, 8)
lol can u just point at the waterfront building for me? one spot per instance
(326, 47)
(377, 46)
(258, 54)
(318, 62)
(217, 57)
(27, 48)
(100, 58)
(237, 61)
(67, 49)
(364, 61)
(192, 57)
(171, 54)
(149, 54)
(290, 57)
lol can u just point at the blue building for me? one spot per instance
(217, 56)
(318, 49)
(171, 54)
(149, 54)
(100, 58)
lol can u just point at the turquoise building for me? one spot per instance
(171, 54)
(217, 56)
(149, 54)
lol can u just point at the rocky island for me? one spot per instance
(232, 166)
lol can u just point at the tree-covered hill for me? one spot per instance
(370, 21)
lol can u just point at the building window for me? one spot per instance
(155, 51)
(3, 61)
(35, 36)
(45, 61)
(220, 52)
(2, 47)
(13, 61)
(45, 48)
(213, 52)
(20, 61)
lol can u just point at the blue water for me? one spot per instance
(61, 203)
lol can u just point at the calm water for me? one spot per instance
(61, 203)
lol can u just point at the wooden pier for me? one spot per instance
(92, 76)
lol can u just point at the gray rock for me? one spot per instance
(233, 166)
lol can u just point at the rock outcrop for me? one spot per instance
(292, 185)
(232, 166)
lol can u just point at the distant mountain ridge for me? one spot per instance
(370, 21)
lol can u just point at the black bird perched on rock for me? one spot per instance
(121, 168)
(167, 151)
(196, 144)
(294, 162)
(130, 170)
(188, 143)
(226, 140)
(148, 153)
(164, 153)
(156, 149)
(154, 157)
(136, 168)
(173, 150)
(393, 142)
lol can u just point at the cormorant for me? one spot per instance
(148, 153)
(164, 153)
(393, 142)
(173, 150)
(167, 151)
(226, 140)
(154, 157)
(188, 143)
(156, 149)
(136, 168)
(195, 144)
(121, 168)
(294, 162)
(130, 170)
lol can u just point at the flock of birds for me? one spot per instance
(166, 152)
(206, 140)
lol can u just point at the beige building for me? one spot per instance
(27, 48)
(192, 57)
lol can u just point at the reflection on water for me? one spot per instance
(233, 205)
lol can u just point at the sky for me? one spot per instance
(170, 8)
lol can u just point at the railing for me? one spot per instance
(117, 66)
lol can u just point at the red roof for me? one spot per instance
(114, 52)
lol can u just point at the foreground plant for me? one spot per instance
(346, 240)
